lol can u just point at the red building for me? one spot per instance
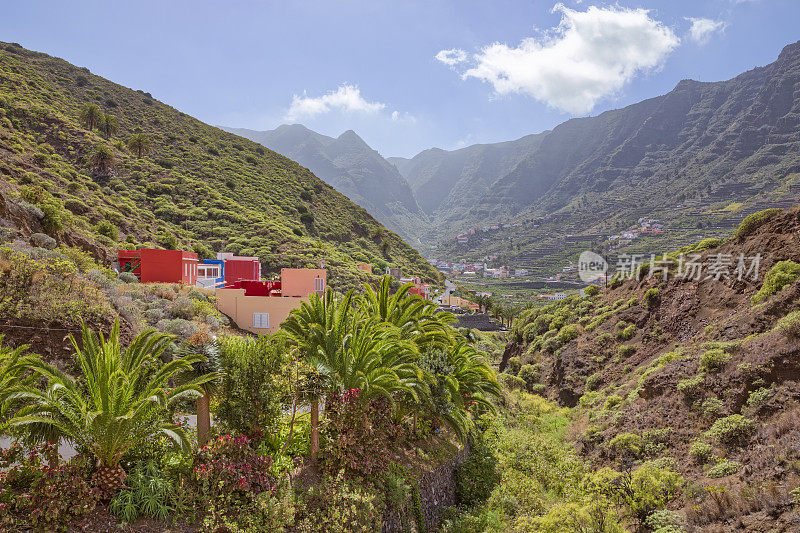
(239, 268)
(164, 266)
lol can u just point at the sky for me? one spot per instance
(406, 75)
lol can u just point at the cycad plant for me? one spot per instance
(12, 368)
(120, 400)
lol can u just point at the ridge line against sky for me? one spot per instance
(406, 76)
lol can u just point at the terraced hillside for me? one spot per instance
(101, 166)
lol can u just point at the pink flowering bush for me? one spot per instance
(235, 490)
(358, 433)
(38, 491)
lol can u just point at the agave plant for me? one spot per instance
(121, 399)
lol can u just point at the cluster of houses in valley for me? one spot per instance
(252, 303)
(480, 269)
(643, 226)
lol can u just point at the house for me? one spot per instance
(226, 269)
(557, 296)
(364, 267)
(159, 266)
(394, 272)
(262, 306)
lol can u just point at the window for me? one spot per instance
(319, 285)
(261, 320)
(185, 269)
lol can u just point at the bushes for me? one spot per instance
(753, 222)
(593, 381)
(591, 290)
(782, 274)
(627, 333)
(129, 277)
(733, 430)
(714, 360)
(107, 229)
(337, 506)
(701, 452)
(514, 365)
(39, 496)
(627, 445)
(723, 468)
(253, 384)
(43, 241)
(478, 475)
(626, 350)
(691, 387)
(149, 493)
(512, 382)
(790, 324)
(530, 374)
(652, 297)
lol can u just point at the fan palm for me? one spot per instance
(210, 365)
(139, 143)
(108, 124)
(91, 115)
(102, 157)
(120, 400)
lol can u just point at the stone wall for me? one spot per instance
(437, 491)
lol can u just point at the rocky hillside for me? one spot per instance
(350, 166)
(70, 168)
(703, 371)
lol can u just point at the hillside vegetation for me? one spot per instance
(96, 165)
(700, 375)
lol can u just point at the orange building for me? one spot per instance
(364, 267)
(262, 306)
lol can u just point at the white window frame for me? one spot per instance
(261, 320)
(319, 285)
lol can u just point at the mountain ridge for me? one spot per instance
(352, 167)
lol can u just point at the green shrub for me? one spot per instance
(593, 381)
(714, 360)
(591, 290)
(252, 384)
(512, 382)
(652, 297)
(691, 387)
(627, 445)
(753, 222)
(477, 477)
(790, 324)
(514, 364)
(43, 241)
(733, 430)
(568, 333)
(530, 374)
(712, 407)
(664, 521)
(627, 333)
(759, 397)
(612, 401)
(129, 277)
(107, 229)
(779, 276)
(705, 244)
(723, 468)
(626, 350)
(701, 452)
(149, 493)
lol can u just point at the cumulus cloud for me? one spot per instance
(346, 98)
(451, 57)
(590, 55)
(702, 29)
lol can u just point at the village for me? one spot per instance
(253, 303)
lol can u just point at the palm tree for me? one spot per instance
(91, 115)
(12, 367)
(211, 364)
(102, 158)
(108, 124)
(139, 143)
(121, 399)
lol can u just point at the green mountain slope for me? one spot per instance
(350, 166)
(699, 159)
(198, 185)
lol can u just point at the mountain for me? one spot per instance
(197, 186)
(350, 166)
(701, 157)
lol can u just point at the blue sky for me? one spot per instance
(406, 75)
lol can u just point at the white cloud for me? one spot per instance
(451, 57)
(590, 55)
(346, 98)
(702, 29)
